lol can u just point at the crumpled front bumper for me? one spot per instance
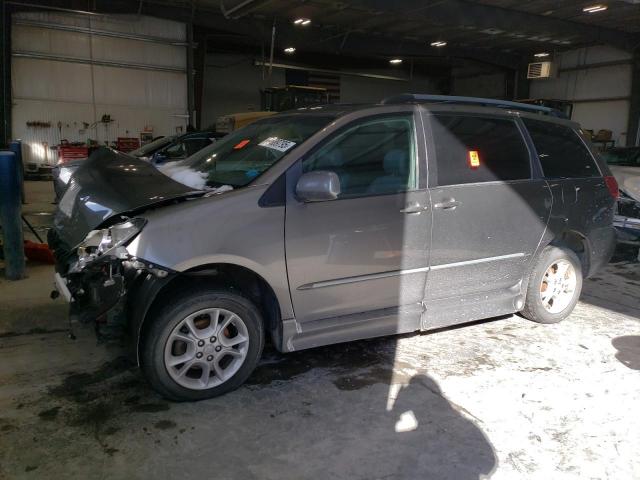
(105, 292)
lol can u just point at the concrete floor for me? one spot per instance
(504, 399)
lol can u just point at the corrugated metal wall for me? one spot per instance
(70, 70)
(601, 94)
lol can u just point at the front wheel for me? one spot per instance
(554, 286)
(202, 345)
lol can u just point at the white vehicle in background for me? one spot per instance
(625, 166)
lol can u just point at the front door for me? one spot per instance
(489, 215)
(357, 265)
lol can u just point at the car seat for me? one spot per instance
(395, 167)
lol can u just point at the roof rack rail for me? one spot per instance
(487, 102)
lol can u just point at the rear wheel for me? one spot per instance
(554, 286)
(203, 345)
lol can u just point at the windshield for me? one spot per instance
(241, 156)
(152, 146)
(624, 157)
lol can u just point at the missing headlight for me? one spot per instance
(108, 241)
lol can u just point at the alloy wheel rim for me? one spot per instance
(558, 286)
(206, 348)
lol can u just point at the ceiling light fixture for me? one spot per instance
(439, 43)
(541, 54)
(595, 8)
(302, 21)
(290, 50)
(395, 61)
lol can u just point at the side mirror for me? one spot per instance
(318, 186)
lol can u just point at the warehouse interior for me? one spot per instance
(499, 398)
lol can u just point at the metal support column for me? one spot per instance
(10, 217)
(16, 147)
(191, 103)
(5, 73)
(200, 57)
(633, 129)
(521, 87)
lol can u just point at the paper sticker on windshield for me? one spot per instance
(276, 143)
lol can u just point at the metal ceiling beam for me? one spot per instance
(357, 43)
(312, 39)
(633, 128)
(5, 73)
(236, 9)
(460, 13)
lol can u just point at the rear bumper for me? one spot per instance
(602, 243)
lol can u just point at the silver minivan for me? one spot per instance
(329, 224)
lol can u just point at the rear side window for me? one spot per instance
(479, 149)
(561, 151)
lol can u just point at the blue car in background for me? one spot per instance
(181, 147)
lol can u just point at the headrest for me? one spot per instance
(395, 162)
(333, 158)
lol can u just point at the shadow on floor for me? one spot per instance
(338, 412)
(616, 286)
(628, 348)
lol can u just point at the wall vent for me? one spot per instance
(540, 70)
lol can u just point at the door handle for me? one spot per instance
(413, 208)
(448, 204)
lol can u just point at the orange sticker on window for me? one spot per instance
(241, 144)
(474, 159)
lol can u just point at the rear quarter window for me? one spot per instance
(471, 149)
(561, 152)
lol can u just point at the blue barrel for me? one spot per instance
(16, 147)
(10, 217)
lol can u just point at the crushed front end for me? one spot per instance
(99, 276)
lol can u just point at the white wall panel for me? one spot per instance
(130, 24)
(610, 115)
(69, 94)
(141, 25)
(78, 45)
(596, 54)
(48, 80)
(611, 81)
(34, 39)
(128, 121)
(122, 86)
(580, 86)
(126, 51)
(38, 141)
(167, 90)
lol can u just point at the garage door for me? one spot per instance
(78, 78)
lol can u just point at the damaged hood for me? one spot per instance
(111, 183)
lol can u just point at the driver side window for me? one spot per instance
(371, 157)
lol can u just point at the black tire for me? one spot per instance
(170, 315)
(533, 307)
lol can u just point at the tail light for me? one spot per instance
(612, 185)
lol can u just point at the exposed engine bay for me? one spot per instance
(99, 274)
